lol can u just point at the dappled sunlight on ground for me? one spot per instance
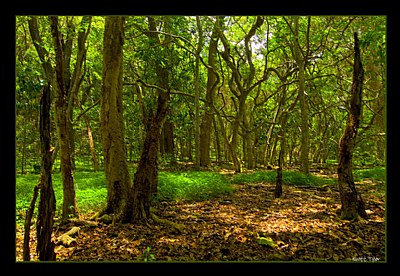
(302, 225)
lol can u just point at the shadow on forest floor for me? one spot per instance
(302, 225)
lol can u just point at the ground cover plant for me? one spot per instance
(227, 217)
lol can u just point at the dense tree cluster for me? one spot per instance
(258, 79)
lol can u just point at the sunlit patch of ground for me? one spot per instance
(303, 225)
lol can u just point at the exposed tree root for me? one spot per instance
(176, 226)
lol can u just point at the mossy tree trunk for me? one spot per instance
(62, 115)
(208, 117)
(352, 203)
(111, 118)
(301, 59)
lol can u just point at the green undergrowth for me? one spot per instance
(91, 188)
(288, 178)
(377, 174)
(193, 185)
(300, 179)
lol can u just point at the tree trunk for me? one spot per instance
(47, 203)
(146, 176)
(208, 117)
(63, 125)
(217, 145)
(352, 203)
(28, 222)
(300, 60)
(167, 142)
(92, 148)
(111, 117)
(278, 182)
(145, 181)
(197, 96)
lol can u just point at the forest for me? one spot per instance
(200, 138)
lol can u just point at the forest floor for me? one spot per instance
(247, 225)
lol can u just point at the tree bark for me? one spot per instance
(207, 119)
(47, 203)
(352, 203)
(278, 182)
(197, 96)
(146, 176)
(64, 126)
(28, 222)
(300, 60)
(111, 117)
(145, 181)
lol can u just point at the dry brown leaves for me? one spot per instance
(303, 225)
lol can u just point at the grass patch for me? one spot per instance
(377, 174)
(288, 178)
(91, 189)
(191, 185)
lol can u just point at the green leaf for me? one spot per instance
(266, 241)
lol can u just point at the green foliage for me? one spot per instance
(147, 256)
(91, 191)
(261, 176)
(91, 188)
(267, 241)
(377, 174)
(191, 185)
(288, 177)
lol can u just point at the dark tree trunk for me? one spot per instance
(47, 203)
(167, 142)
(28, 222)
(352, 203)
(278, 183)
(146, 176)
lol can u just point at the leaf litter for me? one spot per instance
(247, 225)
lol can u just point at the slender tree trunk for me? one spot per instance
(95, 162)
(352, 203)
(63, 125)
(111, 117)
(208, 117)
(28, 223)
(197, 95)
(278, 182)
(47, 203)
(300, 60)
(217, 142)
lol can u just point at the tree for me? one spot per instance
(211, 88)
(111, 118)
(352, 203)
(47, 203)
(63, 116)
(65, 86)
(300, 59)
(241, 83)
(197, 95)
(146, 177)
